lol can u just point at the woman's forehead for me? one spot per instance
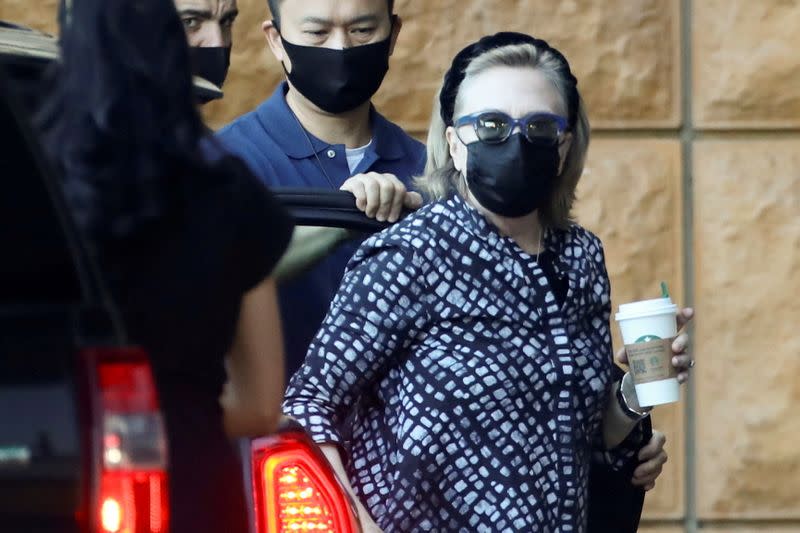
(517, 91)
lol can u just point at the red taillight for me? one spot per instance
(130, 444)
(127, 387)
(132, 502)
(296, 489)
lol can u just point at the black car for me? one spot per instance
(81, 438)
(82, 443)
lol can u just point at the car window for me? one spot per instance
(25, 56)
(36, 264)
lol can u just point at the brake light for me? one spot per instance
(131, 493)
(296, 489)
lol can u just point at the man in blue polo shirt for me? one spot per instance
(319, 130)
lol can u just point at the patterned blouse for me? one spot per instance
(465, 396)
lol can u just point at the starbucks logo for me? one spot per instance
(648, 338)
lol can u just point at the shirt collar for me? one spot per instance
(275, 115)
(554, 240)
(277, 118)
(476, 222)
(386, 138)
(568, 251)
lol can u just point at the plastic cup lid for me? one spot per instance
(644, 308)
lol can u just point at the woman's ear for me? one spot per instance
(563, 151)
(457, 149)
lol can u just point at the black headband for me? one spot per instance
(457, 72)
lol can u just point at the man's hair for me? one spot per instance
(274, 7)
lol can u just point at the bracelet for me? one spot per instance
(622, 400)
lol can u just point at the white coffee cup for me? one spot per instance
(648, 328)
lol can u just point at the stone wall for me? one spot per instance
(693, 178)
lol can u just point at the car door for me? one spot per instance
(49, 306)
(82, 445)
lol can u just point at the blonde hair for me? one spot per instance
(441, 178)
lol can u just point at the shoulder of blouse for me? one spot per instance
(416, 236)
(582, 237)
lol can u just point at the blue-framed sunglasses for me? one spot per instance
(493, 127)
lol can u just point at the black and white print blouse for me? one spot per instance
(465, 395)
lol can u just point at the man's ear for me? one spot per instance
(397, 25)
(274, 41)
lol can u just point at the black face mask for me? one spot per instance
(513, 178)
(338, 80)
(211, 62)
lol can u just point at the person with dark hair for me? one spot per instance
(186, 244)
(275, 9)
(320, 130)
(468, 350)
(209, 30)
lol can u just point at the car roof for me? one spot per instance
(25, 44)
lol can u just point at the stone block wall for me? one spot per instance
(693, 177)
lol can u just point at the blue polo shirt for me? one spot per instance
(273, 144)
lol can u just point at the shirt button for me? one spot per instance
(331, 154)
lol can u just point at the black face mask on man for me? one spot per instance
(513, 178)
(211, 62)
(338, 80)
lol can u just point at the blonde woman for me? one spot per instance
(470, 342)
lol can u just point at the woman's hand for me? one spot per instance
(616, 424)
(652, 457)
(681, 360)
